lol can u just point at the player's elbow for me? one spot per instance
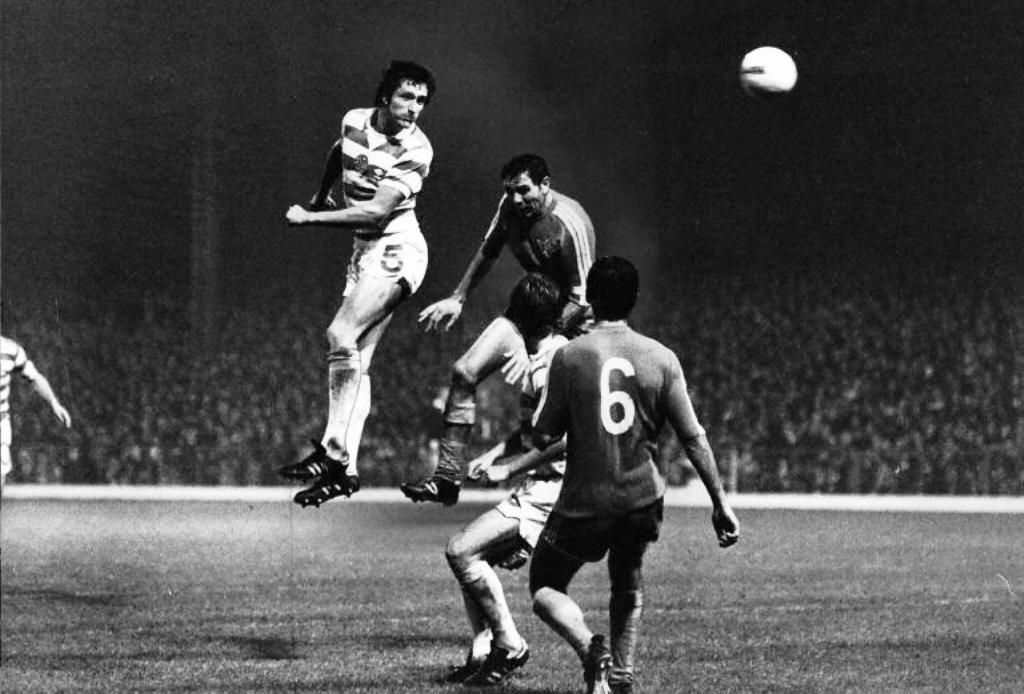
(697, 447)
(376, 213)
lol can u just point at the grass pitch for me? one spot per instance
(356, 597)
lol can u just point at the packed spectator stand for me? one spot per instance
(862, 380)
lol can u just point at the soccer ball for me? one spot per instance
(766, 71)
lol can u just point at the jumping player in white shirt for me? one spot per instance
(382, 157)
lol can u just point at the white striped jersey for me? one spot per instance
(12, 360)
(371, 159)
(559, 242)
(533, 388)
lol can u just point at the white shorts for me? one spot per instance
(401, 256)
(531, 504)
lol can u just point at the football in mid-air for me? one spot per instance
(767, 71)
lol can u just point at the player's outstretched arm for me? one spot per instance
(533, 458)
(372, 213)
(479, 465)
(42, 386)
(441, 315)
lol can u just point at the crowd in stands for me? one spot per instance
(867, 381)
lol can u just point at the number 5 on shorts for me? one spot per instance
(391, 258)
(610, 398)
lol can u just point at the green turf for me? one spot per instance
(236, 597)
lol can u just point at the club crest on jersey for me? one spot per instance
(546, 246)
(372, 173)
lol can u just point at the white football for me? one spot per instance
(767, 70)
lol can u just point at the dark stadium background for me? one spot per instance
(849, 253)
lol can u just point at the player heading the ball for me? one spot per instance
(382, 157)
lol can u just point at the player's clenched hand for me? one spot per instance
(727, 526)
(517, 363)
(479, 465)
(297, 215)
(442, 314)
(496, 474)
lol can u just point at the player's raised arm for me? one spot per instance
(45, 390)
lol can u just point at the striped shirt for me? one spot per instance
(533, 388)
(12, 360)
(371, 159)
(559, 242)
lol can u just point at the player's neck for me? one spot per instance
(385, 125)
(611, 323)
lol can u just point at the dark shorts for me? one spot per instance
(567, 543)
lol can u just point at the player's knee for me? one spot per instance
(541, 601)
(341, 336)
(466, 569)
(454, 553)
(458, 553)
(464, 377)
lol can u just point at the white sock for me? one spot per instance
(490, 597)
(354, 434)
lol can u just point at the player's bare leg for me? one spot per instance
(555, 608)
(561, 613)
(564, 616)
(485, 356)
(357, 327)
(624, 611)
(470, 554)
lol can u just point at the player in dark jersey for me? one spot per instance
(611, 391)
(548, 233)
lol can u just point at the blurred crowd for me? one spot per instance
(836, 381)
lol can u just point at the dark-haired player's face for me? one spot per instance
(527, 197)
(405, 106)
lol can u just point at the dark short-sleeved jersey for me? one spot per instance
(558, 243)
(611, 391)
